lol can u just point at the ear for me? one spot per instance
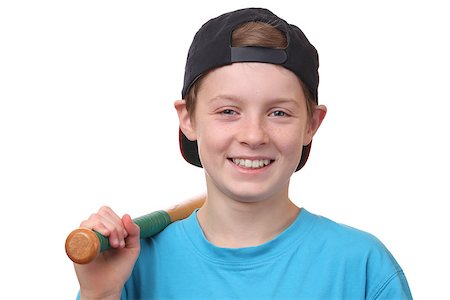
(186, 124)
(314, 123)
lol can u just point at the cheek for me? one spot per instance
(294, 148)
(211, 139)
(290, 142)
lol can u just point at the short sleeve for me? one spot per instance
(395, 287)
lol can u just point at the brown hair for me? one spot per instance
(254, 34)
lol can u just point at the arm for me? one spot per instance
(105, 276)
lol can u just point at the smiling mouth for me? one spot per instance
(251, 164)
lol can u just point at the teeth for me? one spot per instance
(254, 164)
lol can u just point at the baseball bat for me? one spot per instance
(84, 244)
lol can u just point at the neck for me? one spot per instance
(230, 223)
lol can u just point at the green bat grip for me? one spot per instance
(149, 224)
(83, 245)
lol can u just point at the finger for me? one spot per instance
(118, 232)
(98, 223)
(106, 224)
(109, 214)
(133, 230)
(95, 223)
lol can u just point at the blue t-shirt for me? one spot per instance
(314, 258)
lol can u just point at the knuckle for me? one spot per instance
(105, 208)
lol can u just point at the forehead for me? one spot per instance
(250, 81)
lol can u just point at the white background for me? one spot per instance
(86, 119)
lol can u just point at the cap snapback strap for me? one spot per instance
(258, 54)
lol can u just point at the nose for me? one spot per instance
(253, 133)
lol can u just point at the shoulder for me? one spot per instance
(161, 249)
(351, 245)
(362, 253)
(172, 239)
(170, 235)
(344, 236)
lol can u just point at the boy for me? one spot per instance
(248, 115)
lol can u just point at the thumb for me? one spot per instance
(133, 230)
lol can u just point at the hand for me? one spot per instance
(105, 276)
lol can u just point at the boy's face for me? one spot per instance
(250, 124)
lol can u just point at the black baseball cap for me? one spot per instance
(211, 48)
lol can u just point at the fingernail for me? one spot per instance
(122, 244)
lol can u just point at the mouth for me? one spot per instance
(251, 163)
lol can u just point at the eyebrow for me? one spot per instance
(223, 97)
(286, 100)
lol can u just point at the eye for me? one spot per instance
(228, 111)
(279, 113)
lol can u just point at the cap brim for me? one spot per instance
(189, 150)
(305, 155)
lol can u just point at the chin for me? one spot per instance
(249, 197)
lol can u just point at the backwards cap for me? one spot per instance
(211, 48)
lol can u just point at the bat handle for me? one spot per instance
(83, 244)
